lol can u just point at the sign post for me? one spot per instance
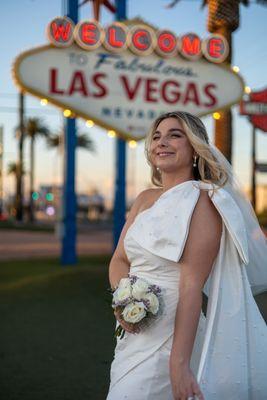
(68, 244)
(120, 162)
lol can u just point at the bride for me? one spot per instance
(195, 233)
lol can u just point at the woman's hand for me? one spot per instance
(184, 384)
(131, 328)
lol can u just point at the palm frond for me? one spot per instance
(53, 140)
(172, 4)
(83, 141)
(13, 168)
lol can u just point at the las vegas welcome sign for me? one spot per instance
(123, 76)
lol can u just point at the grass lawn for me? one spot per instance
(57, 326)
(56, 335)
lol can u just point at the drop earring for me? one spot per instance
(195, 161)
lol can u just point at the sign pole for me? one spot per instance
(253, 177)
(120, 166)
(68, 245)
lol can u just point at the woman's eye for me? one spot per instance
(155, 137)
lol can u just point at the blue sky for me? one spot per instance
(97, 170)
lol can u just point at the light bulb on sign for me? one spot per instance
(235, 68)
(216, 115)
(247, 90)
(132, 144)
(67, 113)
(111, 133)
(89, 123)
(43, 102)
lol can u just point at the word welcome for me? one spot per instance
(140, 39)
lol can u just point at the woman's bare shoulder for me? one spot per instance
(147, 197)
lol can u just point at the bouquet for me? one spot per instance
(137, 301)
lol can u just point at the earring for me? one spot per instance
(157, 168)
(195, 161)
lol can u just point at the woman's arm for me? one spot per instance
(119, 265)
(200, 251)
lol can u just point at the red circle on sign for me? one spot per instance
(166, 43)
(60, 31)
(116, 38)
(89, 34)
(190, 46)
(142, 40)
(215, 48)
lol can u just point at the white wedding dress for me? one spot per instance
(229, 356)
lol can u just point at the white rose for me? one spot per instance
(124, 282)
(134, 312)
(153, 302)
(123, 291)
(139, 289)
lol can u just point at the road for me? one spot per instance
(15, 244)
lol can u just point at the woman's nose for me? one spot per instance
(163, 141)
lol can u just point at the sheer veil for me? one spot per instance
(257, 242)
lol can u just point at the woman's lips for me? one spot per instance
(164, 154)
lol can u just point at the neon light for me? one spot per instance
(49, 196)
(61, 32)
(35, 196)
(140, 39)
(191, 46)
(112, 39)
(215, 47)
(88, 34)
(140, 45)
(166, 42)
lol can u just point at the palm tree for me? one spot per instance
(13, 169)
(83, 141)
(34, 128)
(223, 18)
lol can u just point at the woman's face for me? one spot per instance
(170, 149)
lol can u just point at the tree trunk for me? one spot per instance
(31, 202)
(223, 126)
(19, 175)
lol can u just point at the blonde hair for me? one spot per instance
(208, 168)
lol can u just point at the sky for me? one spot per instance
(97, 170)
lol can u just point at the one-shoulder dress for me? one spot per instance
(229, 355)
